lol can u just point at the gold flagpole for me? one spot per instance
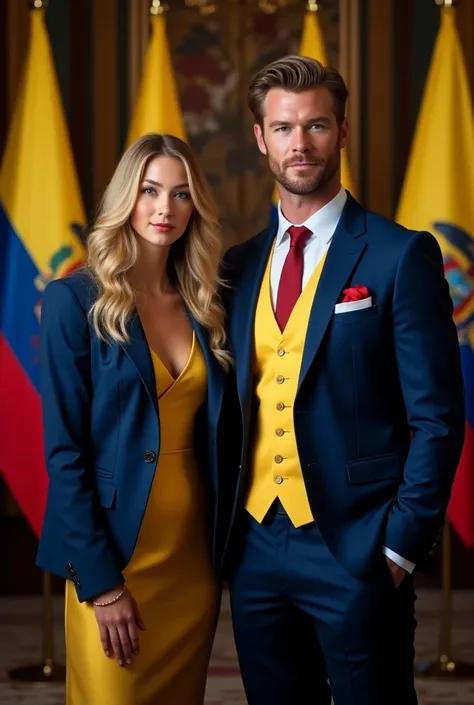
(48, 670)
(445, 667)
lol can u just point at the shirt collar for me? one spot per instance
(322, 223)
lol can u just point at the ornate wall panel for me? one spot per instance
(214, 58)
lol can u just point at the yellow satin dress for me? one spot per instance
(170, 574)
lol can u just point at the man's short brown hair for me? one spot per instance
(296, 74)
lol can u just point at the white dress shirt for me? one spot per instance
(322, 225)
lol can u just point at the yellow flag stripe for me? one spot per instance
(439, 181)
(157, 107)
(38, 184)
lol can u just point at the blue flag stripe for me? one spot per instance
(18, 298)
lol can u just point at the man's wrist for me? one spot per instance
(399, 560)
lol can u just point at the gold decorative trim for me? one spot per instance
(139, 27)
(379, 125)
(17, 40)
(465, 25)
(350, 68)
(105, 92)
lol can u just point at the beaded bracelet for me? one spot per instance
(110, 602)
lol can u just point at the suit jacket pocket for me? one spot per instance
(106, 492)
(357, 315)
(375, 469)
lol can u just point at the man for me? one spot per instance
(350, 387)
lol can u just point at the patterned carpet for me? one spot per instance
(20, 644)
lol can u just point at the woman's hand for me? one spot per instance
(118, 623)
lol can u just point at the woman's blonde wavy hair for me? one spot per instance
(194, 259)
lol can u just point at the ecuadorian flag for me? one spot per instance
(157, 107)
(438, 196)
(312, 45)
(41, 218)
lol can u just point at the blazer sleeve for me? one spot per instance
(75, 542)
(429, 368)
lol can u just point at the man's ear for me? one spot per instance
(258, 132)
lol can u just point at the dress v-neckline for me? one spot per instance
(171, 376)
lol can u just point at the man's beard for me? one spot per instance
(305, 185)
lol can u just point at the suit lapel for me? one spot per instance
(215, 371)
(242, 320)
(343, 254)
(138, 352)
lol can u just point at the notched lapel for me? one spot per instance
(138, 352)
(343, 255)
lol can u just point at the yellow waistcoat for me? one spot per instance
(275, 470)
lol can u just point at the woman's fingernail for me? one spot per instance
(120, 663)
(107, 653)
(129, 661)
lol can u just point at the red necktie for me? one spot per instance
(291, 279)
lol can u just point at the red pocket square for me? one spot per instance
(354, 293)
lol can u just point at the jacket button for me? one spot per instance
(149, 456)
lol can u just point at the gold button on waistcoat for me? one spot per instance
(280, 406)
(278, 479)
(278, 459)
(279, 432)
(280, 379)
(281, 352)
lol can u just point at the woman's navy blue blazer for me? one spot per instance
(102, 441)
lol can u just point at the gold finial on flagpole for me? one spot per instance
(158, 8)
(447, 3)
(39, 4)
(313, 6)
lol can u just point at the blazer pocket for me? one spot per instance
(106, 492)
(348, 306)
(354, 316)
(376, 469)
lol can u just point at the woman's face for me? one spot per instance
(163, 207)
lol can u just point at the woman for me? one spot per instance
(133, 374)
